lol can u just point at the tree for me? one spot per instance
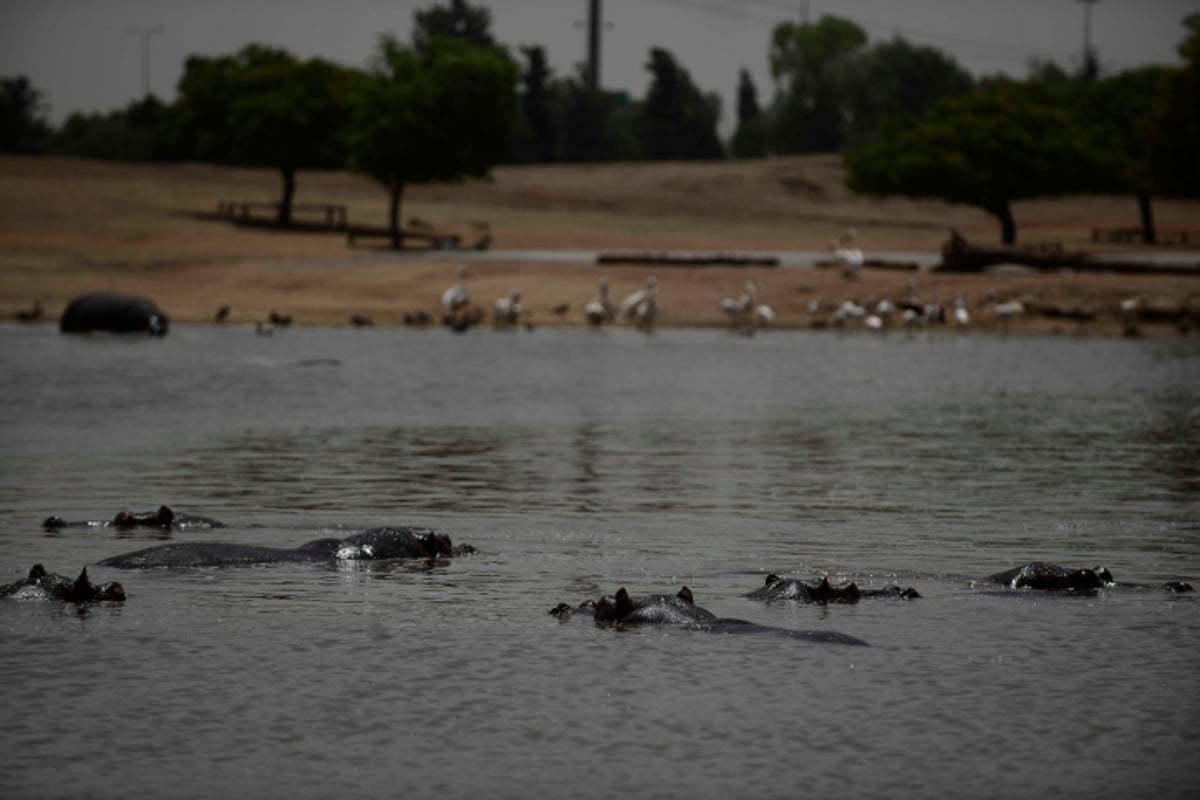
(1123, 106)
(811, 67)
(750, 137)
(23, 126)
(536, 131)
(894, 78)
(263, 107)
(134, 133)
(596, 125)
(677, 120)
(457, 20)
(999, 144)
(441, 115)
(1175, 121)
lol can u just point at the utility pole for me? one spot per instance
(145, 34)
(593, 63)
(803, 12)
(1088, 66)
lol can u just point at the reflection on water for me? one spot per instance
(578, 463)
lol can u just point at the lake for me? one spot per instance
(578, 462)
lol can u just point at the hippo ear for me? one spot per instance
(773, 578)
(686, 594)
(165, 516)
(37, 571)
(624, 602)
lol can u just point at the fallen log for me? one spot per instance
(958, 255)
(688, 259)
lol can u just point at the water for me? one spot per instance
(577, 463)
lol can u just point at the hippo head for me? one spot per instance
(54, 523)
(158, 519)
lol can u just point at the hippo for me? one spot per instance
(113, 311)
(375, 544)
(623, 612)
(1052, 577)
(778, 588)
(42, 585)
(163, 518)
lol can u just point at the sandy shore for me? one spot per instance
(70, 226)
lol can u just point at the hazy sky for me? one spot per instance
(85, 55)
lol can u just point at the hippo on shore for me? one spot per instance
(42, 585)
(376, 544)
(1052, 577)
(778, 588)
(163, 518)
(115, 312)
(623, 612)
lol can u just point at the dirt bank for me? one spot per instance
(68, 226)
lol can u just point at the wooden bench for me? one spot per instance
(243, 211)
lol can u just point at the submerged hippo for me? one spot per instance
(375, 544)
(163, 518)
(115, 312)
(1052, 577)
(42, 585)
(778, 588)
(623, 611)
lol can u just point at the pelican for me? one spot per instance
(642, 305)
(456, 297)
(630, 305)
(961, 315)
(1008, 310)
(764, 315)
(602, 309)
(507, 310)
(734, 309)
(847, 254)
(885, 308)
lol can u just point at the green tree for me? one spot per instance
(596, 125)
(811, 64)
(456, 20)
(442, 115)
(134, 133)
(1122, 105)
(536, 134)
(999, 144)
(750, 137)
(1174, 126)
(23, 126)
(263, 107)
(677, 119)
(894, 78)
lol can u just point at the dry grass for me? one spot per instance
(68, 226)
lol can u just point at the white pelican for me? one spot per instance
(764, 315)
(884, 308)
(961, 315)
(507, 310)
(733, 309)
(847, 254)
(631, 304)
(1008, 310)
(602, 309)
(456, 297)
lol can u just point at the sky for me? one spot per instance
(87, 55)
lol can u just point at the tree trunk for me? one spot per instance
(1148, 235)
(1002, 211)
(397, 190)
(285, 201)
